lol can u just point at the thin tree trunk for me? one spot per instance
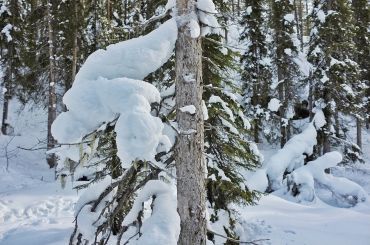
(51, 158)
(359, 132)
(75, 45)
(4, 123)
(190, 164)
(283, 136)
(310, 98)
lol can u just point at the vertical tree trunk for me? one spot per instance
(75, 45)
(310, 98)
(51, 158)
(190, 164)
(359, 132)
(6, 99)
(283, 136)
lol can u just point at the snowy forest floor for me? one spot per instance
(35, 210)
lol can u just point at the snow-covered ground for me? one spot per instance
(35, 210)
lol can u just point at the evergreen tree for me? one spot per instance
(335, 76)
(361, 15)
(256, 73)
(286, 46)
(11, 41)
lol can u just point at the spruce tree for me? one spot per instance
(335, 76)
(11, 42)
(286, 46)
(361, 15)
(256, 73)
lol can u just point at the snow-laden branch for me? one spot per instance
(106, 86)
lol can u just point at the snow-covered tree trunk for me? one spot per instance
(51, 158)
(191, 193)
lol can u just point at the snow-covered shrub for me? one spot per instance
(288, 169)
(300, 183)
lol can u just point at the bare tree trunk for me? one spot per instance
(283, 136)
(359, 132)
(310, 98)
(51, 158)
(75, 45)
(6, 100)
(191, 192)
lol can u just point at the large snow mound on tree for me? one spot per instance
(106, 88)
(134, 58)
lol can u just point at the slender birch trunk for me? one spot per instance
(191, 193)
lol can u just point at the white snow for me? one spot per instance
(194, 28)
(163, 225)
(105, 89)
(207, 6)
(347, 190)
(3, 8)
(249, 10)
(134, 58)
(289, 17)
(205, 111)
(6, 30)
(217, 99)
(274, 104)
(191, 109)
(321, 16)
(290, 156)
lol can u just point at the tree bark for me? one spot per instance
(359, 132)
(7, 97)
(52, 113)
(190, 164)
(75, 44)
